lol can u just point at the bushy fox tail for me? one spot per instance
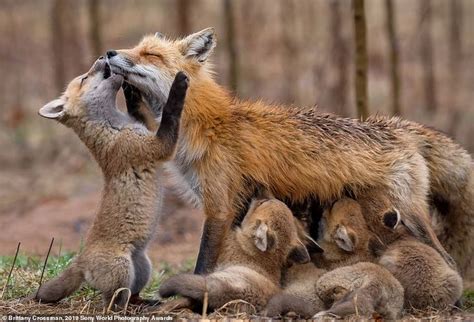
(451, 171)
(61, 286)
(454, 220)
(452, 195)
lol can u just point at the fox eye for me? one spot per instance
(83, 79)
(154, 55)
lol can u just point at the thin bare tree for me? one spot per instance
(57, 42)
(361, 60)
(455, 60)
(65, 42)
(287, 21)
(426, 55)
(95, 27)
(394, 60)
(183, 21)
(231, 45)
(339, 58)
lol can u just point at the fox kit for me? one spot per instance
(229, 148)
(299, 292)
(362, 288)
(250, 265)
(451, 188)
(130, 156)
(345, 236)
(428, 281)
(346, 240)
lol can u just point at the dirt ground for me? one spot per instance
(68, 218)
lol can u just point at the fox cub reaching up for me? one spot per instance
(250, 265)
(129, 155)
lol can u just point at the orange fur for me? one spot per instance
(228, 148)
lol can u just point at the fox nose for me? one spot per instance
(111, 53)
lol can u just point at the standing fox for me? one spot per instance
(130, 156)
(250, 265)
(229, 148)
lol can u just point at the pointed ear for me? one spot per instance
(199, 45)
(312, 246)
(376, 246)
(392, 218)
(263, 238)
(299, 254)
(53, 110)
(345, 239)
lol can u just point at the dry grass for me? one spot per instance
(27, 272)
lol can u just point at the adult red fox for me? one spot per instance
(229, 148)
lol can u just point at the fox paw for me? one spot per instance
(179, 87)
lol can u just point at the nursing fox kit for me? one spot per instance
(130, 157)
(251, 264)
(297, 154)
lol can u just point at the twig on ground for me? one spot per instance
(44, 266)
(116, 293)
(204, 304)
(355, 305)
(11, 270)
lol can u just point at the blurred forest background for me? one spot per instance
(420, 66)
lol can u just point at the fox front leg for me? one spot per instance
(169, 127)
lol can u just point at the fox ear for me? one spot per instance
(53, 110)
(345, 239)
(199, 45)
(159, 35)
(299, 254)
(263, 238)
(392, 218)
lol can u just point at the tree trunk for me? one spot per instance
(231, 45)
(339, 58)
(65, 42)
(394, 65)
(184, 18)
(426, 53)
(361, 59)
(287, 21)
(57, 42)
(95, 34)
(455, 60)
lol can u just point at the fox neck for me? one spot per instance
(207, 107)
(94, 137)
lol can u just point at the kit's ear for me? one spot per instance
(392, 218)
(299, 254)
(198, 45)
(264, 238)
(345, 239)
(53, 110)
